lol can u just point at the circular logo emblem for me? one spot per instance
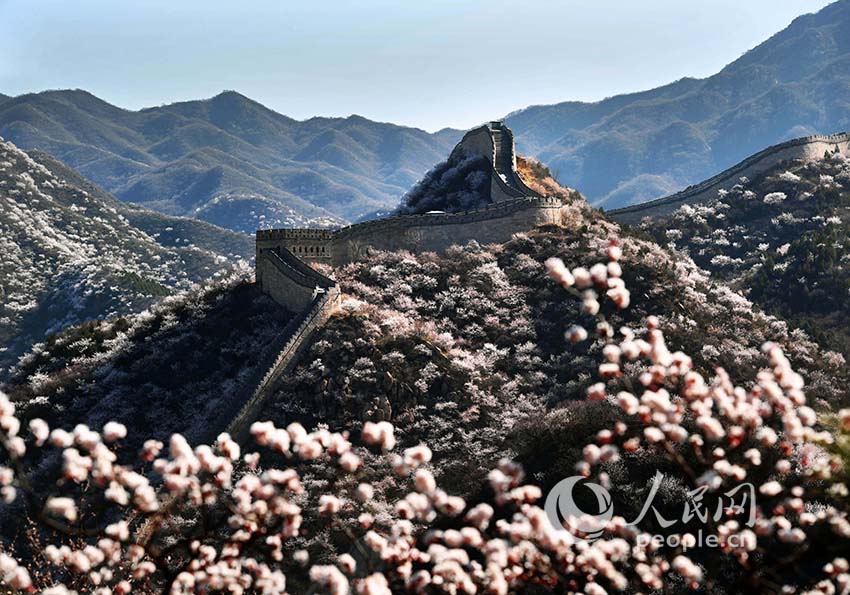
(564, 513)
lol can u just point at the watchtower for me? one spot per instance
(495, 142)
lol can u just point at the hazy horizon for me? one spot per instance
(425, 66)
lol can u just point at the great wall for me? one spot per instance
(806, 149)
(282, 255)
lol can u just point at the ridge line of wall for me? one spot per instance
(295, 268)
(523, 187)
(731, 172)
(491, 211)
(296, 341)
(294, 338)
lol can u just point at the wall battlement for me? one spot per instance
(806, 148)
(294, 234)
(495, 223)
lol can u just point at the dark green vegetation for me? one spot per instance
(72, 252)
(631, 148)
(228, 160)
(460, 183)
(781, 238)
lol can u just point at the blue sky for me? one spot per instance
(431, 63)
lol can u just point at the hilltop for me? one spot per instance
(72, 252)
(782, 238)
(228, 160)
(631, 148)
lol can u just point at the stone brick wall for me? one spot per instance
(475, 142)
(287, 279)
(279, 360)
(307, 244)
(495, 223)
(480, 141)
(807, 149)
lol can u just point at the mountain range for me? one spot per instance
(233, 162)
(228, 160)
(72, 252)
(632, 148)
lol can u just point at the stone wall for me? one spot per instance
(296, 338)
(287, 279)
(477, 141)
(495, 223)
(435, 232)
(481, 142)
(513, 175)
(807, 149)
(307, 244)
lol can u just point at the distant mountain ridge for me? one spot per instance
(228, 160)
(632, 148)
(231, 161)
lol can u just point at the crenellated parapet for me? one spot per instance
(307, 244)
(493, 224)
(290, 281)
(434, 232)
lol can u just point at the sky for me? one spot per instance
(430, 63)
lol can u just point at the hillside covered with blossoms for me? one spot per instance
(481, 356)
(782, 239)
(71, 252)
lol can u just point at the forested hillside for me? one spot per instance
(72, 252)
(782, 239)
(468, 351)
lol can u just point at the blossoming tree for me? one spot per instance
(212, 518)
